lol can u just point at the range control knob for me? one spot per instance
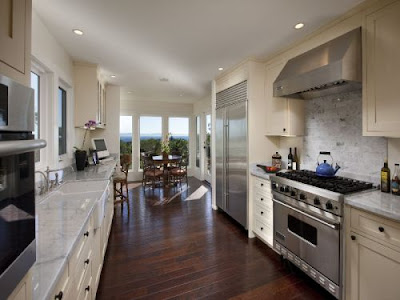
(293, 193)
(329, 205)
(302, 197)
(282, 189)
(287, 189)
(274, 186)
(317, 201)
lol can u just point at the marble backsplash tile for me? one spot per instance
(334, 124)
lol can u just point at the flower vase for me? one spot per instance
(165, 155)
(80, 159)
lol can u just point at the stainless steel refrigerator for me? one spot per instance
(231, 152)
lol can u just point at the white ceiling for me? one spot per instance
(185, 41)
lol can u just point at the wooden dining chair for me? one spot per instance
(152, 174)
(180, 172)
(120, 181)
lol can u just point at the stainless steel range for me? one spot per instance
(308, 221)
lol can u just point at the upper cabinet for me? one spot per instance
(15, 39)
(381, 98)
(90, 95)
(284, 116)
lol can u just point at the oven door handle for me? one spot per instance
(333, 226)
(18, 147)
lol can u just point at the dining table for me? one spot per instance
(165, 161)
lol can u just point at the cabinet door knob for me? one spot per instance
(87, 289)
(381, 229)
(86, 233)
(284, 129)
(262, 184)
(87, 261)
(262, 212)
(353, 237)
(262, 228)
(262, 199)
(59, 296)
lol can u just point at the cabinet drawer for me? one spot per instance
(262, 199)
(80, 252)
(263, 230)
(375, 226)
(264, 214)
(262, 184)
(63, 285)
(85, 289)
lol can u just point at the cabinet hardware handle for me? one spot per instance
(87, 261)
(262, 184)
(353, 237)
(86, 233)
(381, 229)
(262, 212)
(87, 289)
(284, 129)
(59, 296)
(262, 199)
(262, 228)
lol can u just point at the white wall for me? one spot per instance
(52, 59)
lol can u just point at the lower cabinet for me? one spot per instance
(372, 263)
(80, 279)
(24, 289)
(262, 210)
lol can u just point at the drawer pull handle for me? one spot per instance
(87, 261)
(86, 233)
(353, 237)
(262, 184)
(381, 229)
(262, 199)
(262, 228)
(262, 212)
(87, 289)
(59, 296)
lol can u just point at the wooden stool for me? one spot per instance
(120, 180)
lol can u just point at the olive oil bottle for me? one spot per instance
(385, 177)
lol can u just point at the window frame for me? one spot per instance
(64, 116)
(139, 127)
(132, 135)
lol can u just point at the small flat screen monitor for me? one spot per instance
(99, 144)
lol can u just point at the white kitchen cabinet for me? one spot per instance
(90, 95)
(372, 256)
(15, 39)
(262, 210)
(23, 291)
(381, 44)
(284, 116)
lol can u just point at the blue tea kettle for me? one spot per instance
(324, 169)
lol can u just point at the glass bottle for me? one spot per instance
(385, 177)
(290, 160)
(396, 181)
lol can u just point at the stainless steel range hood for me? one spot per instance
(331, 68)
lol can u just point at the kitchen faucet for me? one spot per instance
(44, 187)
(52, 183)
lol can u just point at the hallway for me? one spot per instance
(171, 248)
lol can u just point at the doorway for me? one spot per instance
(207, 148)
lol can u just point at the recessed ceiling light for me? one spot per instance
(299, 25)
(113, 76)
(220, 69)
(77, 31)
(130, 92)
(180, 95)
(164, 79)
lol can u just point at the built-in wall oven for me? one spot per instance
(17, 183)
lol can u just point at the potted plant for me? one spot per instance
(165, 149)
(80, 153)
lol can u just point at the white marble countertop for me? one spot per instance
(383, 204)
(256, 171)
(99, 172)
(60, 219)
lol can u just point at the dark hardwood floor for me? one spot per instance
(167, 247)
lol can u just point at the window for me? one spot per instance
(198, 141)
(208, 144)
(179, 139)
(150, 136)
(125, 135)
(35, 85)
(62, 121)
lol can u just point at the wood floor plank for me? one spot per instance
(169, 248)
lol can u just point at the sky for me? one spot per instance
(152, 125)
